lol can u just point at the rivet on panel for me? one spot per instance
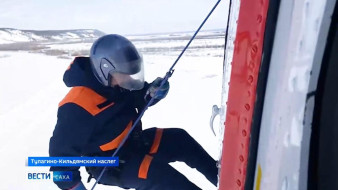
(254, 49)
(244, 133)
(241, 158)
(239, 182)
(259, 18)
(247, 107)
(250, 79)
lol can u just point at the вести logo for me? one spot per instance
(62, 176)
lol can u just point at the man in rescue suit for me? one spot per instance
(108, 91)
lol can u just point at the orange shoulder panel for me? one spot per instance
(87, 98)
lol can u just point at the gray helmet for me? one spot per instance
(116, 61)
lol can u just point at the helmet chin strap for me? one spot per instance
(118, 88)
(121, 89)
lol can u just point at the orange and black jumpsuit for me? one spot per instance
(93, 120)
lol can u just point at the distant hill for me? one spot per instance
(69, 43)
(10, 35)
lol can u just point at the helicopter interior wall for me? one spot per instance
(323, 164)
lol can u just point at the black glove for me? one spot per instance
(155, 91)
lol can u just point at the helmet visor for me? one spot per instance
(127, 81)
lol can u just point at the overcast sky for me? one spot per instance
(112, 16)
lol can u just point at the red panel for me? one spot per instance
(242, 92)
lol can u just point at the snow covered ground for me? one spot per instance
(31, 87)
(10, 35)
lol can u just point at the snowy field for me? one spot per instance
(31, 88)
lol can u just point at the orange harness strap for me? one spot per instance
(144, 167)
(157, 140)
